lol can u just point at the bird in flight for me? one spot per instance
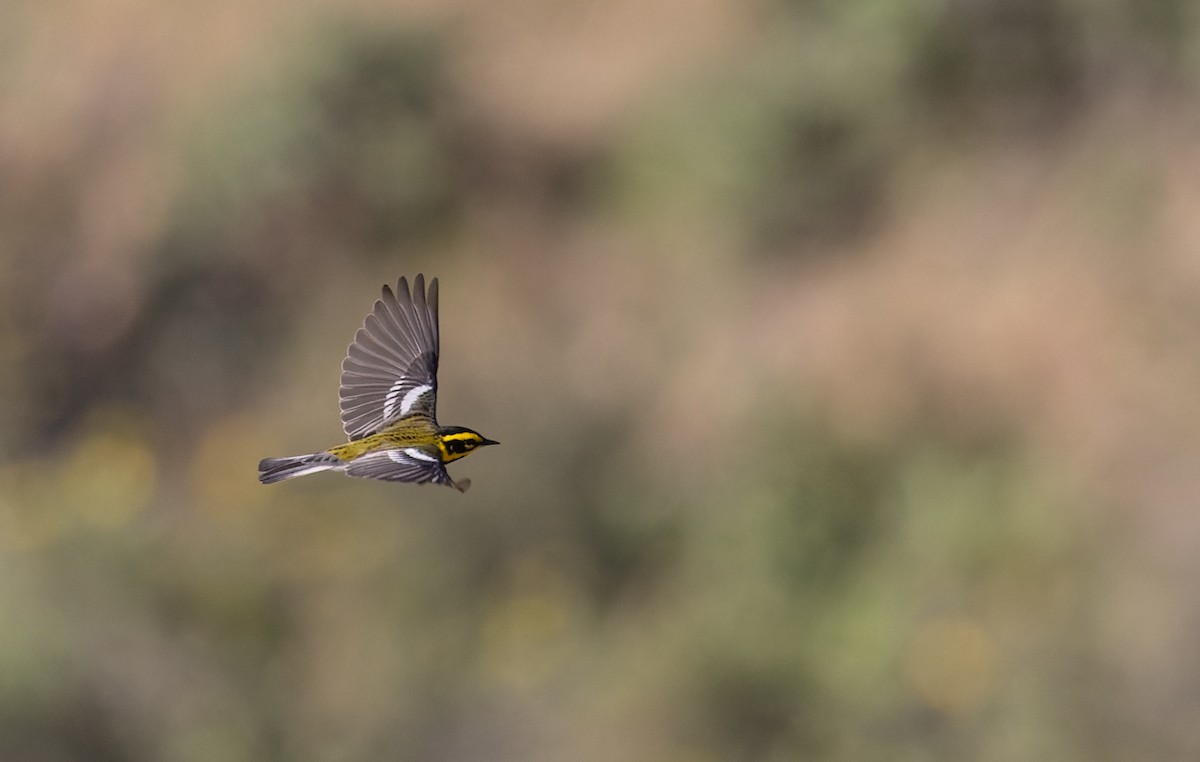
(388, 401)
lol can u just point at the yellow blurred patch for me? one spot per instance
(110, 477)
(104, 480)
(526, 633)
(950, 664)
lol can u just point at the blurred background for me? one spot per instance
(844, 355)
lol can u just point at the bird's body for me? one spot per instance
(388, 401)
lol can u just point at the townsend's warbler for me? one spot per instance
(389, 399)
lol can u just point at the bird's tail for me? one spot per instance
(271, 470)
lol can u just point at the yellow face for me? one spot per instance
(459, 444)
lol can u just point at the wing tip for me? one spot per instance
(419, 291)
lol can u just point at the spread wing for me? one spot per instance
(412, 464)
(390, 370)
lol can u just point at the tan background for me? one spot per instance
(844, 355)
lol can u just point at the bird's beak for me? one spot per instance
(487, 441)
